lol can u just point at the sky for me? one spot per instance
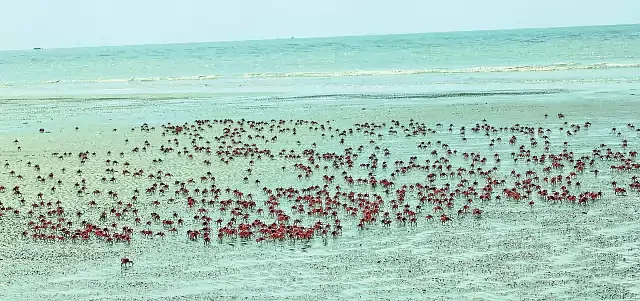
(25, 24)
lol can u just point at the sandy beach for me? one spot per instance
(512, 250)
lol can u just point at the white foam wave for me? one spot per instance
(136, 79)
(524, 68)
(353, 73)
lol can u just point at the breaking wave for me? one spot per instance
(525, 68)
(352, 73)
(134, 79)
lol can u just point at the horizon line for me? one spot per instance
(316, 37)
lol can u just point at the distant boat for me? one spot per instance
(37, 48)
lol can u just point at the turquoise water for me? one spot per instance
(551, 251)
(602, 58)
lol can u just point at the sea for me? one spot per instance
(428, 65)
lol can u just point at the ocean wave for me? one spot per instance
(352, 73)
(100, 98)
(133, 79)
(523, 68)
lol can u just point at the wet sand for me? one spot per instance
(513, 251)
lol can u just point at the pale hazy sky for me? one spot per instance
(71, 23)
